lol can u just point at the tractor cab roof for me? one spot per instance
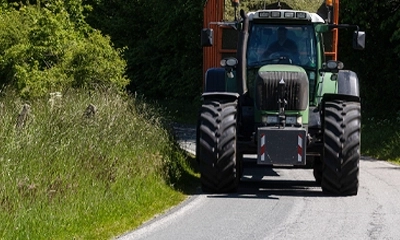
(284, 14)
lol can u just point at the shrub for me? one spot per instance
(51, 49)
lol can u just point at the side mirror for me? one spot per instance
(207, 37)
(359, 40)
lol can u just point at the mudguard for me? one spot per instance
(221, 95)
(215, 80)
(348, 83)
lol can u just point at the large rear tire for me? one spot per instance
(341, 152)
(217, 146)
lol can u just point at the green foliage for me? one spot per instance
(381, 138)
(162, 39)
(96, 62)
(377, 65)
(50, 48)
(253, 5)
(69, 175)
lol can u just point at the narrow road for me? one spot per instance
(285, 203)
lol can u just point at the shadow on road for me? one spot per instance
(264, 182)
(277, 188)
(274, 189)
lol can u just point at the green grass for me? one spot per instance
(65, 175)
(381, 138)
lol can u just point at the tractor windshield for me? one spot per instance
(293, 44)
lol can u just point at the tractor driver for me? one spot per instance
(283, 45)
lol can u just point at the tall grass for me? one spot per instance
(381, 138)
(68, 174)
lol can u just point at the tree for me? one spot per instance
(49, 47)
(162, 43)
(377, 65)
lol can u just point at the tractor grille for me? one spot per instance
(296, 90)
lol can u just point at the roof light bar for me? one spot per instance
(282, 14)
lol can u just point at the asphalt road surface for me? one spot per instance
(285, 203)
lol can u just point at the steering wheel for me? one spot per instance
(281, 57)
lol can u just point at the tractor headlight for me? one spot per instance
(275, 14)
(228, 62)
(291, 120)
(289, 14)
(294, 120)
(334, 65)
(269, 119)
(274, 119)
(301, 15)
(223, 63)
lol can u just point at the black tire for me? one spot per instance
(341, 152)
(198, 136)
(217, 146)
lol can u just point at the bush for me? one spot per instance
(50, 49)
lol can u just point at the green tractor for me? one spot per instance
(288, 104)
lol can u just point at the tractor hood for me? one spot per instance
(291, 78)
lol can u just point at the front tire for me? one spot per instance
(341, 152)
(217, 146)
